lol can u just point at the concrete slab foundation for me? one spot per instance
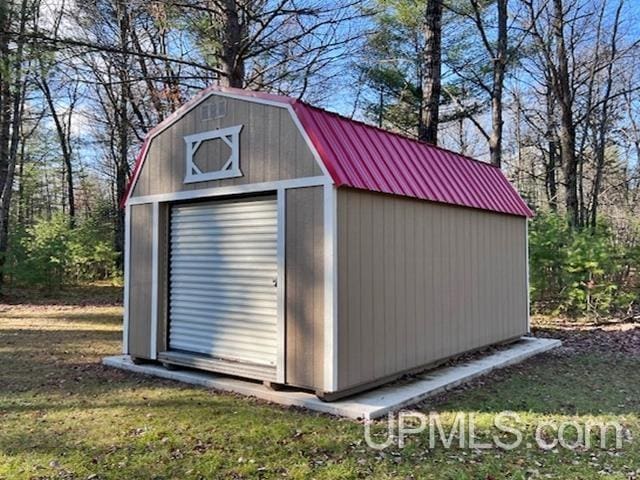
(368, 405)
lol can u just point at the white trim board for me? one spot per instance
(153, 347)
(231, 190)
(330, 351)
(370, 405)
(281, 279)
(526, 246)
(127, 279)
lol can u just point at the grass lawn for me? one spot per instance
(63, 415)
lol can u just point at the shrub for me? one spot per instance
(50, 253)
(579, 271)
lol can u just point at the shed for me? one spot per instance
(272, 240)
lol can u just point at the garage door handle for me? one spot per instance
(275, 282)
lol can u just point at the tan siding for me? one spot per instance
(271, 148)
(304, 287)
(419, 282)
(140, 280)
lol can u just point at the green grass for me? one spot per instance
(63, 415)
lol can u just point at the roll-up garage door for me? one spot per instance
(223, 271)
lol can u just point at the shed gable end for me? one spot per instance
(269, 148)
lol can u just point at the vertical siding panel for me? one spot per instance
(400, 286)
(344, 337)
(378, 286)
(288, 159)
(304, 287)
(410, 258)
(140, 281)
(255, 169)
(354, 278)
(366, 287)
(272, 144)
(494, 271)
(446, 238)
(175, 171)
(438, 261)
(389, 291)
(302, 168)
(475, 274)
(429, 268)
(487, 297)
(450, 241)
(502, 290)
(420, 289)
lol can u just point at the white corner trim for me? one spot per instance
(281, 320)
(127, 279)
(526, 243)
(230, 190)
(231, 168)
(330, 290)
(154, 283)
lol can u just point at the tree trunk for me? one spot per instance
(232, 38)
(499, 66)
(604, 122)
(11, 112)
(65, 147)
(432, 65)
(551, 182)
(122, 163)
(567, 132)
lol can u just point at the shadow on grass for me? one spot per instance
(80, 296)
(584, 379)
(98, 318)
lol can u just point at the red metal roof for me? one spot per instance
(361, 156)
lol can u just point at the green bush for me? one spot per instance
(579, 271)
(50, 253)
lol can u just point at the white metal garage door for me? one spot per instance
(223, 269)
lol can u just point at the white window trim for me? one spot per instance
(231, 168)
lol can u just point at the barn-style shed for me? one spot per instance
(272, 240)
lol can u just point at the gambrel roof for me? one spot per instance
(361, 156)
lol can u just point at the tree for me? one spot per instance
(273, 45)
(401, 66)
(13, 85)
(431, 76)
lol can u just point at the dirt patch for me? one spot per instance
(580, 336)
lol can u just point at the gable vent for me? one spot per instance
(213, 110)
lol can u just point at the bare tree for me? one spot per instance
(62, 121)
(12, 101)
